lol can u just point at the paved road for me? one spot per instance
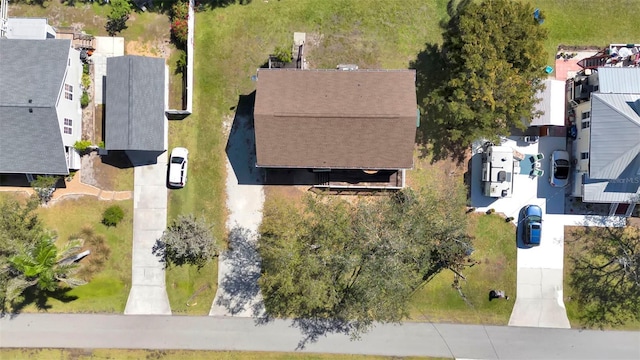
(226, 333)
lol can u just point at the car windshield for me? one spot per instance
(176, 160)
(562, 170)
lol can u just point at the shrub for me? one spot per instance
(86, 80)
(85, 69)
(283, 53)
(112, 215)
(82, 145)
(44, 186)
(84, 100)
(101, 144)
(490, 211)
(181, 63)
(117, 18)
(179, 25)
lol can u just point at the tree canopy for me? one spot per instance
(605, 276)
(492, 62)
(187, 240)
(357, 263)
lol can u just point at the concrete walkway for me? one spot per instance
(148, 294)
(242, 334)
(239, 267)
(75, 188)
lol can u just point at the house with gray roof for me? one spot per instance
(135, 104)
(40, 113)
(612, 152)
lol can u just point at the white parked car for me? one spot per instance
(560, 168)
(178, 167)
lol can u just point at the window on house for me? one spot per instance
(584, 156)
(68, 92)
(586, 115)
(586, 124)
(68, 123)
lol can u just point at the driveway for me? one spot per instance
(539, 300)
(239, 267)
(148, 294)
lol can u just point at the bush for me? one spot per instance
(82, 145)
(117, 18)
(86, 81)
(84, 100)
(112, 215)
(85, 69)
(283, 53)
(101, 144)
(44, 186)
(179, 25)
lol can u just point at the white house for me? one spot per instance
(40, 112)
(607, 148)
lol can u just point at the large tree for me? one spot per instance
(605, 276)
(493, 63)
(357, 263)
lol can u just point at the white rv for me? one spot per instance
(497, 171)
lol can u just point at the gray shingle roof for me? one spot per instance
(30, 142)
(135, 103)
(615, 134)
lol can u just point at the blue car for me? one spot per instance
(532, 225)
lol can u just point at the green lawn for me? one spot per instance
(589, 22)
(231, 43)
(107, 292)
(98, 354)
(495, 252)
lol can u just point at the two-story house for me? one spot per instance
(607, 147)
(40, 112)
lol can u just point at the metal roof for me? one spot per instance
(135, 103)
(28, 28)
(31, 76)
(621, 80)
(615, 134)
(551, 103)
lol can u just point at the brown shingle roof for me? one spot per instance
(335, 119)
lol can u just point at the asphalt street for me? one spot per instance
(232, 333)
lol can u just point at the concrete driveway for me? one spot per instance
(148, 294)
(539, 300)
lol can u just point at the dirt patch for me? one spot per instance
(326, 51)
(106, 172)
(442, 170)
(293, 193)
(160, 48)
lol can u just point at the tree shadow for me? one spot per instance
(239, 287)
(434, 135)
(40, 298)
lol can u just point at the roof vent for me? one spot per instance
(30, 101)
(30, 110)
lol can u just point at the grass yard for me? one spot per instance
(589, 22)
(227, 54)
(97, 354)
(574, 247)
(107, 292)
(495, 252)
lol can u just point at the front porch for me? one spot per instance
(339, 180)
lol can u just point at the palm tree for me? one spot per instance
(44, 266)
